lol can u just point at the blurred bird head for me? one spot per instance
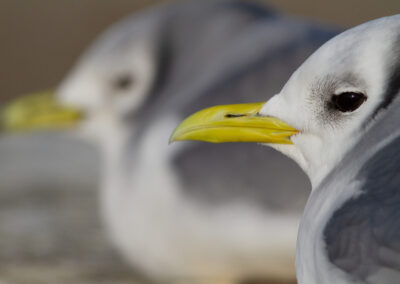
(114, 79)
(105, 88)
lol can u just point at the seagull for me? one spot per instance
(337, 117)
(193, 213)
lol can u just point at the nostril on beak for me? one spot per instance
(231, 115)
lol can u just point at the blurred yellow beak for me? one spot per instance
(38, 111)
(233, 123)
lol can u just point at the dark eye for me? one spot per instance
(348, 101)
(123, 82)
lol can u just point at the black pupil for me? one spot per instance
(348, 101)
(123, 82)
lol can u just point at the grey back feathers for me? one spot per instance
(362, 236)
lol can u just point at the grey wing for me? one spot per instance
(221, 174)
(363, 236)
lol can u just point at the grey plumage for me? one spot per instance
(363, 235)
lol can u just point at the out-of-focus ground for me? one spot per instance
(50, 229)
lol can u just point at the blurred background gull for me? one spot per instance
(50, 228)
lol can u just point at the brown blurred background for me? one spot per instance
(40, 39)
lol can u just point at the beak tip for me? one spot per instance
(172, 139)
(174, 136)
(39, 111)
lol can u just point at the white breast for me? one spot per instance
(167, 235)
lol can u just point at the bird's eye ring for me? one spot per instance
(123, 82)
(348, 101)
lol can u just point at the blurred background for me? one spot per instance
(41, 39)
(39, 42)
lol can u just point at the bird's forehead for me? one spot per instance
(337, 57)
(117, 46)
(359, 55)
(137, 32)
(366, 44)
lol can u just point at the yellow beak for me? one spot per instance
(233, 123)
(38, 111)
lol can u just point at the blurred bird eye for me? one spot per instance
(348, 101)
(123, 82)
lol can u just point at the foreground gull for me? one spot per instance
(337, 117)
(186, 211)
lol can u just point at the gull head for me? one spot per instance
(103, 92)
(112, 81)
(323, 109)
(337, 93)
